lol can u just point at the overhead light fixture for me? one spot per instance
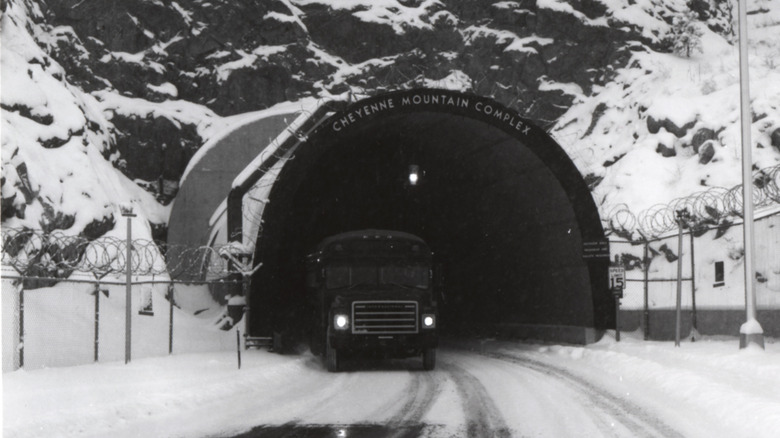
(414, 174)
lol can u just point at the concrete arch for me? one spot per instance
(198, 213)
(501, 203)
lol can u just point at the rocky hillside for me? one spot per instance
(107, 100)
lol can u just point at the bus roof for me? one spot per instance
(371, 234)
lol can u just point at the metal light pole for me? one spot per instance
(127, 211)
(751, 331)
(646, 287)
(694, 324)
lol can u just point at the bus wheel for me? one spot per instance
(429, 359)
(331, 357)
(277, 343)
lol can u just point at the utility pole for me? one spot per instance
(751, 331)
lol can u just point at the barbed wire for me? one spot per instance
(709, 207)
(57, 255)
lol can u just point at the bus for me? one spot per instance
(371, 292)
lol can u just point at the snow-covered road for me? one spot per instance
(479, 389)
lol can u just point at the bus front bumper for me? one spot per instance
(396, 345)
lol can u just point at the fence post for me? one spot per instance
(238, 346)
(694, 324)
(20, 345)
(97, 320)
(617, 318)
(170, 318)
(647, 289)
(681, 214)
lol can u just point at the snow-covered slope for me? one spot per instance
(60, 163)
(669, 126)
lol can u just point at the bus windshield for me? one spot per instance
(338, 276)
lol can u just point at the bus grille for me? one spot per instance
(384, 317)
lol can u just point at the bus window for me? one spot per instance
(405, 275)
(337, 277)
(340, 276)
(362, 274)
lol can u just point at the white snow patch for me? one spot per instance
(246, 60)
(751, 327)
(164, 88)
(456, 80)
(187, 15)
(177, 111)
(506, 5)
(512, 41)
(272, 15)
(565, 7)
(386, 12)
(567, 88)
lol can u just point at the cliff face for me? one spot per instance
(235, 57)
(153, 80)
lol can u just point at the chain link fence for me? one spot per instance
(711, 255)
(711, 283)
(64, 298)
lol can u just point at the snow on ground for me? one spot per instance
(59, 322)
(737, 390)
(708, 388)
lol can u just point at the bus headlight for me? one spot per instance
(429, 320)
(340, 321)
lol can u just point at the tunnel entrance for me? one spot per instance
(503, 208)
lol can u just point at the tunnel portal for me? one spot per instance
(502, 206)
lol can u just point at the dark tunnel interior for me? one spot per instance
(504, 234)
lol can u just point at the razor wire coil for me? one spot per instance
(710, 206)
(57, 255)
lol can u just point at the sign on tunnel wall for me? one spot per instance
(432, 98)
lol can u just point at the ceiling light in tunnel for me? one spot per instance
(414, 174)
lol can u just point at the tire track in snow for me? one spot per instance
(483, 419)
(635, 418)
(407, 408)
(423, 391)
